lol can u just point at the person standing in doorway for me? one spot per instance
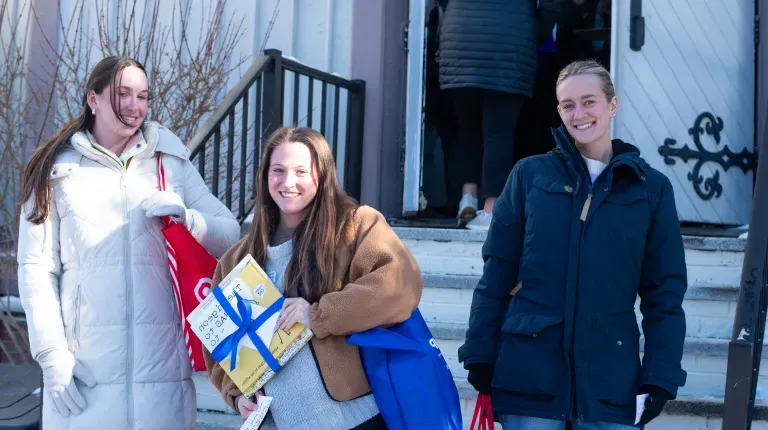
(577, 234)
(487, 57)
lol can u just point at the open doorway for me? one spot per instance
(582, 32)
(684, 73)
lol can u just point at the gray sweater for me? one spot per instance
(300, 400)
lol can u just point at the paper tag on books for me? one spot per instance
(257, 417)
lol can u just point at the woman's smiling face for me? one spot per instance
(292, 181)
(585, 109)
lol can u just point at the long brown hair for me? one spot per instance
(311, 271)
(37, 181)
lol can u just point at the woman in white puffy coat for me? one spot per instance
(93, 271)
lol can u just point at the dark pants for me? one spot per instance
(539, 113)
(486, 136)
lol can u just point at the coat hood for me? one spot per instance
(624, 153)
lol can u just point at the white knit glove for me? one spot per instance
(60, 368)
(167, 203)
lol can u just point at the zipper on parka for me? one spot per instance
(129, 299)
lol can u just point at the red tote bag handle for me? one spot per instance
(161, 185)
(483, 413)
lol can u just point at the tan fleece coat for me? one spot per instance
(379, 284)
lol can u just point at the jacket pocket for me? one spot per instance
(628, 196)
(552, 185)
(531, 356)
(615, 358)
(174, 306)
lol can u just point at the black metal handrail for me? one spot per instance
(262, 90)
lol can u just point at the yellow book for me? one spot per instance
(215, 327)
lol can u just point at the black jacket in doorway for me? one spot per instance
(493, 44)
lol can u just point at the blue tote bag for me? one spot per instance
(409, 378)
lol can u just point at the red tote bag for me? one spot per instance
(483, 411)
(192, 268)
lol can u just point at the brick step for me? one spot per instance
(709, 310)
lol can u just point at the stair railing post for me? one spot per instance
(746, 345)
(354, 151)
(272, 117)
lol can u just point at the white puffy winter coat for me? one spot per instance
(94, 278)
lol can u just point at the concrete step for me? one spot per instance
(709, 310)
(684, 413)
(705, 360)
(213, 420)
(451, 263)
(712, 262)
(703, 243)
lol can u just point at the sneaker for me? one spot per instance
(481, 222)
(467, 207)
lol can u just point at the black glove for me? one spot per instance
(654, 404)
(480, 376)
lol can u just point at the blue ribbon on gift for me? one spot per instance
(242, 318)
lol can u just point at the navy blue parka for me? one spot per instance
(565, 261)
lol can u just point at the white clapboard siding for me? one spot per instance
(315, 32)
(698, 57)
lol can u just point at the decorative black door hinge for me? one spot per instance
(745, 160)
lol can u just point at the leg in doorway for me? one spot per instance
(500, 113)
(448, 129)
(468, 104)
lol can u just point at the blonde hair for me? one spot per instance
(589, 67)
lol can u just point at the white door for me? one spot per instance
(414, 108)
(686, 88)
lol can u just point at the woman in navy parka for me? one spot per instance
(577, 235)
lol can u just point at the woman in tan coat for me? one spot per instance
(342, 269)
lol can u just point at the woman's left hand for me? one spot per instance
(295, 310)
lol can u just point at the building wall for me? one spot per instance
(379, 58)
